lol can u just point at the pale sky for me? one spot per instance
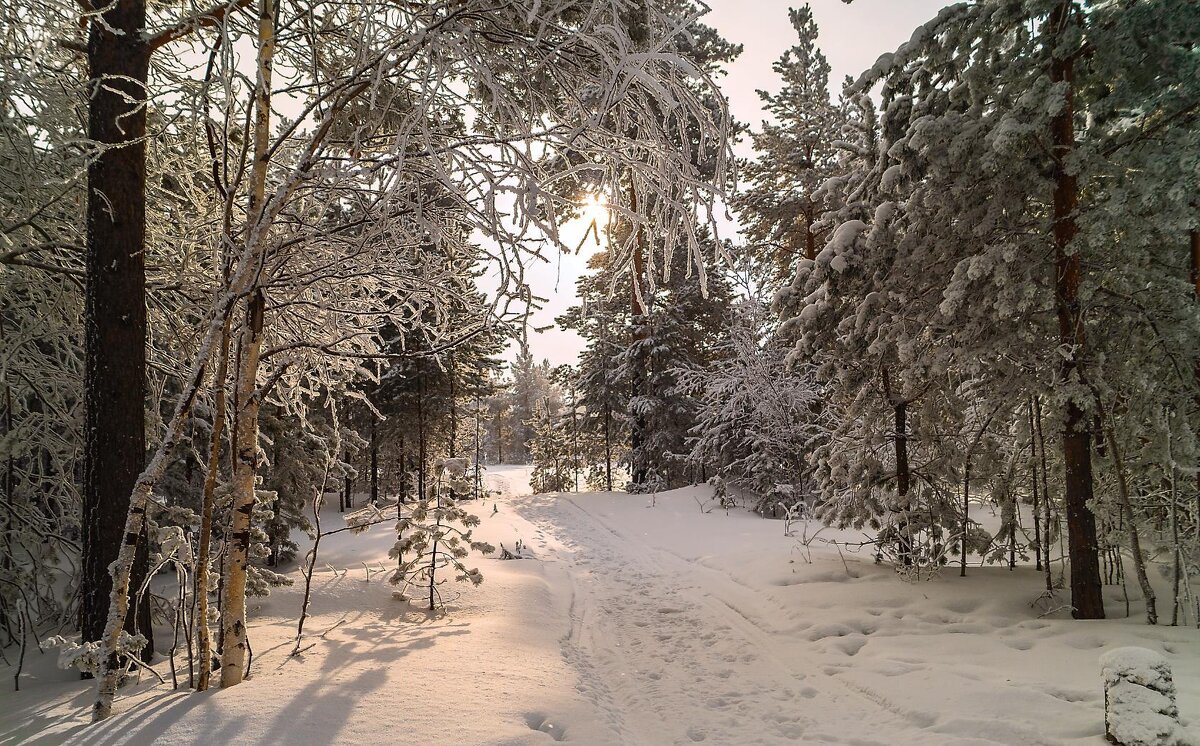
(852, 37)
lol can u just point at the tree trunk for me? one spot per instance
(1086, 598)
(639, 469)
(499, 438)
(1194, 271)
(966, 522)
(10, 490)
(403, 498)
(237, 551)
(1012, 526)
(900, 434)
(1048, 515)
(110, 670)
(1135, 544)
(421, 438)
(1037, 516)
(114, 308)
(479, 494)
(453, 409)
(233, 618)
(203, 638)
(608, 447)
(374, 459)
(452, 413)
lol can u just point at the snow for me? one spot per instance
(631, 624)
(1141, 708)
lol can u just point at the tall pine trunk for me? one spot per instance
(900, 435)
(608, 447)
(114, 308)
(374, 459)
(421, 443)
(135, 519)
(1037, 513)
(1086, 597)
(1194, 270)
(639, 469)
(499, 438)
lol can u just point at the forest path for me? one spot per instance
(671, 650)
(639, 623)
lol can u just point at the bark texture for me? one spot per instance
(1086, 598)
(114, 309)
(203, 636)
(245, 469)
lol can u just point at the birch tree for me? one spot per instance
(538, 85)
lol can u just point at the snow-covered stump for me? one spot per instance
(1139, 699)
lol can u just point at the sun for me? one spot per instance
(593, 208)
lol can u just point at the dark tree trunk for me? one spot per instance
(114, 308)
(421, 439)
(1086, 598)
(608, 447)
(453, 410)
(10, 489)
(452, 413)
(1194, 236)
(479, 493)
(900, 435)
(639, 471)
(345, 502)
(374, 460)
(902, 469)
(966, 521)
(810, 238)
(1037, 515)
(403, 498)
(1012, 530)
(499, 439)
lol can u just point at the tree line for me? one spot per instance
(968, 283)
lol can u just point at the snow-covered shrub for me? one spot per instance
(915, 543)
(720, 497)
(757, 419)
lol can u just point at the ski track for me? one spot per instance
(666, 662)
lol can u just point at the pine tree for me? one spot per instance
(783, 200)
(602, 319)
(972, 268)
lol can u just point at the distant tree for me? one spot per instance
(782, 200)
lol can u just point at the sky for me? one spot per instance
(852, 38)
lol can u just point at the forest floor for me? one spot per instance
(632, 623)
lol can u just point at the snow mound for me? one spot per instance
(1139, 698)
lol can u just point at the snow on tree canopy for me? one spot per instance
(841, 240)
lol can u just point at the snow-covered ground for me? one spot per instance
(632, 624)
